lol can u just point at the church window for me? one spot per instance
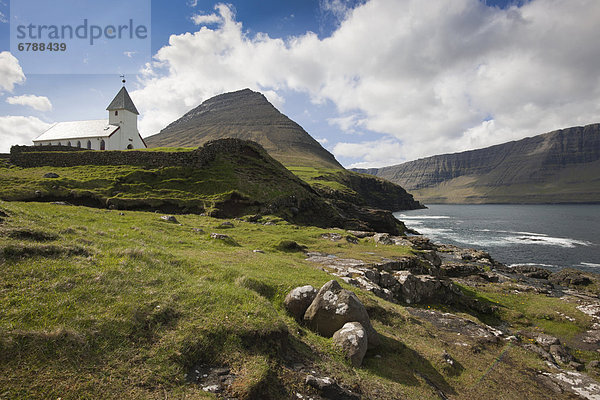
(116, 112)
(129, 146)
(89, 144)
(102, 145)
(69, 143)
(79, 143)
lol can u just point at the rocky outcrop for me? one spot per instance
(333, 307)
(570, 277)
(424, 278)
(566, 160)
(371, 191)
(413, 289)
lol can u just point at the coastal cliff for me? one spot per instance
(562, 166)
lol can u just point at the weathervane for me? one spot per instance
(123, 79)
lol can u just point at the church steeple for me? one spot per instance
(122, 101)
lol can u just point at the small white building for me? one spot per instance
(120, 132)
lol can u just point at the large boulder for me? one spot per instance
(333, 307)
(298, 300)
(352, 339)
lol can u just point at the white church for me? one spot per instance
(120, 132)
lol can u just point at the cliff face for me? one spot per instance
(247, 115)
(560, 166)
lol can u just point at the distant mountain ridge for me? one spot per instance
(562, 166)
(247, 115)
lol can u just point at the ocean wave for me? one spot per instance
(500, 240)
(590, 264)
(481, 243)
(436, 231)
(547, 241)
(418, 217)
(533, 265)
(511, 232)
(529, 233)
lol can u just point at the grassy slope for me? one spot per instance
(102, 304)
(126, 186)
(355, 187)
(323, 178)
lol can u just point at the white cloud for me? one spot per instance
(323, 141)
(429, 74)
(225, 13)
(201, 19)
(3, 18)
(348, 124)
(376, 153)
(19, 130)
(10, 72)
(339, 8)
(40, 103)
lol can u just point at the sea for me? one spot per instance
(552, 236)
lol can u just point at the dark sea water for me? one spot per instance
(551, 236)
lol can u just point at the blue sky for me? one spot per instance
(378, 82)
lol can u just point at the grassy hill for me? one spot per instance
(557, 167)
(239, 181)
(122, 304)
(248, 115)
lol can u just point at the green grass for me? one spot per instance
(532, 312)
(323, 178)
(137, 187)
(95, 304)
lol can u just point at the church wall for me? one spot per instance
(118, 141)
(94, 142)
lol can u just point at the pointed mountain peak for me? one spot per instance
(246, 114)
(122, 101)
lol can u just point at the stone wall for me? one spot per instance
(38, 149)
(63, 156)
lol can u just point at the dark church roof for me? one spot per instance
(122, 101)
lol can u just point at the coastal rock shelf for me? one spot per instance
(438, 274)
